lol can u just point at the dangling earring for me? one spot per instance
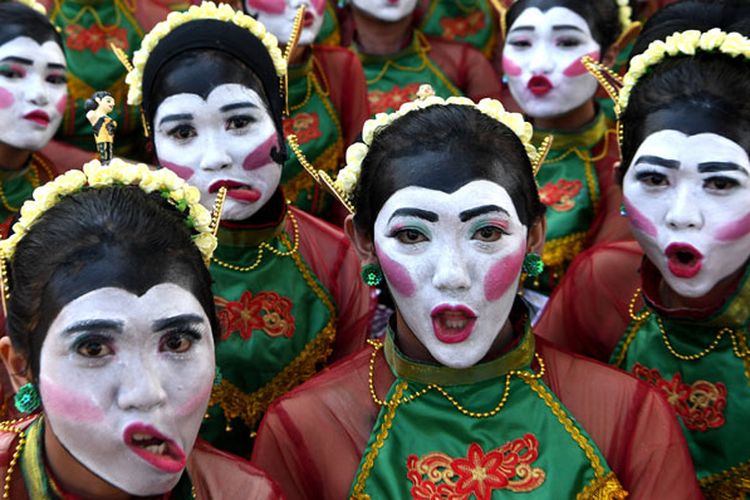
(218, 377)
(27, 398)
(532, 264)
(372, 275)
(623, 210)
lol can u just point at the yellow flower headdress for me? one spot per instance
(183, 196)
(348, 177)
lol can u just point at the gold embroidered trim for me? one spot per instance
(632, 331)
(603, 488)
(369, 461)
(235, 403)
(733, 483)
(560, 250)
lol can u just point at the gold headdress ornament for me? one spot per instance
(290, 46)
(346, 180)
(183, 196)
(33, 4)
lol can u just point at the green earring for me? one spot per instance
(372, 275)
(27, 398)
(532, 264)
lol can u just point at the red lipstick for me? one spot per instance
(152, 446)
(307, 20)
(539, 85)
(684, 261)
(452, 324)
(38, 116)
(236, 190)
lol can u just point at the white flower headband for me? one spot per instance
(207, 10)
(348, 177)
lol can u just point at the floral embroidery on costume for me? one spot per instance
(438, 476)
(700, 405)
(306, 126)
(266, 311)
(462, 27)
(95, 38)
(559, 196)
(381, 100)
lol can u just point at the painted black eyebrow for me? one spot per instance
(175, 118)
(561, 27)
(659, 161)
(57, 66)
(476, 212)
(94, 324)
(720, 166)
(415, 212)
(19, 60)
(237, 105)
(521, 28)
(176, 321)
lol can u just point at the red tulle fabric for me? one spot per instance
(311, 441)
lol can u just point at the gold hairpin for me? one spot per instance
(610, 81)
(4, 286)
(123, 58)
(218, 208)
(325, 180)
(297, 150)
(290, 46)
(501, 11)
(628, 34)
(543, 150)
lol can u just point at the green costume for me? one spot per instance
(471, 21)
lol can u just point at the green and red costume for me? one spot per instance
(533, 423)
(609, 307)
(474, 22)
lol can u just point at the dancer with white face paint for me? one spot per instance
(114, 361)
(673, 309)
(460, 384)
(286, 284)
(542, 62)
(398, 58)
(327, 97)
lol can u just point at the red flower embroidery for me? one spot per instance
(266, 311)
(462, 27)
(382, 101)
(305, 125)
(559, 196)
(700, 405)
(94, 38)
(436, 476)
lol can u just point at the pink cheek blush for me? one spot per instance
(260, 156)
(70, 405)
(734, 230)
(577, 68)
(196, 402)
(62, 104)
(183, 173)
(319, 6)
(639, 221)
(6, 98)
(510, 68)
(503, 274)
(397, 275)
(269, 6)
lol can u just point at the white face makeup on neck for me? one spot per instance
(278, 17)
(125, 382)
(33, 92)
(542, 57)
(225, 140)
(452, 263)
(687, 198)
(386, 10)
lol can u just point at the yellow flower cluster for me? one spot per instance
(207, 10)
(685, 43)
(347, 178)
(626, 13)
(33, 4)
(95, 175)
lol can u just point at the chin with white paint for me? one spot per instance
(452, 263)
(33, 92)
(125, 382)
(542, 61)
(686, 198)
(223, 140)
(386, 10)
(278, 18)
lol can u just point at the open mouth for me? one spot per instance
(452, 324)
(539, 85)
(308, 19)
(155, 448)
(236, 190)
(38, 116)
(684, 261)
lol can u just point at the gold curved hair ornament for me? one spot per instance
(610, 81)
(123, 58)
(297, 150)
(216, 212)
(327, 182)
(501, 10)
(628, 35)
(4, 285)
(544, 148)
(289, 50)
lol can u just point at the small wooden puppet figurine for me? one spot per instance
(97, 108)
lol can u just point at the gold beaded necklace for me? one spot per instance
(264, 245)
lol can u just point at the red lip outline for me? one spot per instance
(174, 459)
(236, 190)
(38, 116)
(449, 335)
(308, 19)
(683, 260)
(539, 85)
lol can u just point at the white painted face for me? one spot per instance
(452, 263)
(125, 382)
(278, 17)
(542, 60)
(688, 201)
(225, 140)
(386, 10)
(33, 92)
